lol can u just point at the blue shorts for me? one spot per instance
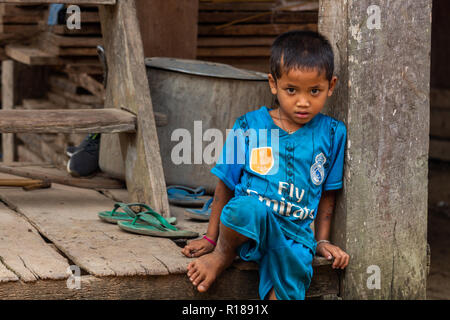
(284, 264)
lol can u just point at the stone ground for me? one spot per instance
(438, 283)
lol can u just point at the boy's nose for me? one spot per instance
(302, 103)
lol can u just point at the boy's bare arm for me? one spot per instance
(197, 248)
(322, 226)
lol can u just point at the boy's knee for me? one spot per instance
(243, 210)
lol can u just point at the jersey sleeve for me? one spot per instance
(231, 162)
(335, 174)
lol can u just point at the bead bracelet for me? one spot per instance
(209, 240)
(322, 241)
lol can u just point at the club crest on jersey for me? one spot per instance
(317, 171)
(261, 160)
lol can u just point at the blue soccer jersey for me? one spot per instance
(286, 172)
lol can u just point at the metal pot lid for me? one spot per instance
(204, 68)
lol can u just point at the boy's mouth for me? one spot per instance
(301, 115)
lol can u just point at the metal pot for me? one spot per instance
(209, 95)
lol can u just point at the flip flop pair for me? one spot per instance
(186, 197)
(147, 222)
(127, 214)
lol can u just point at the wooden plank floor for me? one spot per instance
(43, 232)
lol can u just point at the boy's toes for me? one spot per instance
(191, 269)
(191, 265)
(198, 279)
(194, 276)
(204, 285)
(191, 272)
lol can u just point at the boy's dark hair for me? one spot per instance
(301, 50)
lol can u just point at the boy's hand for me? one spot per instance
(197, 248)
(329, 251)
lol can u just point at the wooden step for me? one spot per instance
(67, 121)
(31, 55)
(96, 2)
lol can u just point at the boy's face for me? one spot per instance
(302, 95)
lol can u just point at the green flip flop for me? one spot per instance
(127, 214)
(153, 224)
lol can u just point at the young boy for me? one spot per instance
(263, 206)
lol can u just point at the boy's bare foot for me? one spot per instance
(204, 271)
(197, 248)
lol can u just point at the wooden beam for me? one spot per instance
(14, 10)
(24, 2)
(31, 55)
(231, 285)
(383, 97)
(38, 104)
(8, 97)
(86, 30)
(234, 52)
(234, 42)
(87, 82)
(254, 29)
(19, 28)
(57, 40)
(257, 17)
(60, 177)
(68, 121)
(128, 88)
(25, 19)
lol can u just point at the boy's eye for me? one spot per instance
(315, 92)
(290, 90)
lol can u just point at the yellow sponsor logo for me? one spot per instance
(261, 160)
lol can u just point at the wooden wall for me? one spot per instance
(440, 82)
(240, 32)
(168, 27)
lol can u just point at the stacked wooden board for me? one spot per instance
(241, 32)
(58, 45)
(19, 23)
(73, 69)
(76, 43)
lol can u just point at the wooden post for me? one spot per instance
(8, 104)
(382, 59)
(19, 82)
(128, 88)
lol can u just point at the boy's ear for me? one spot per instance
(332, 85)
(272, 84)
